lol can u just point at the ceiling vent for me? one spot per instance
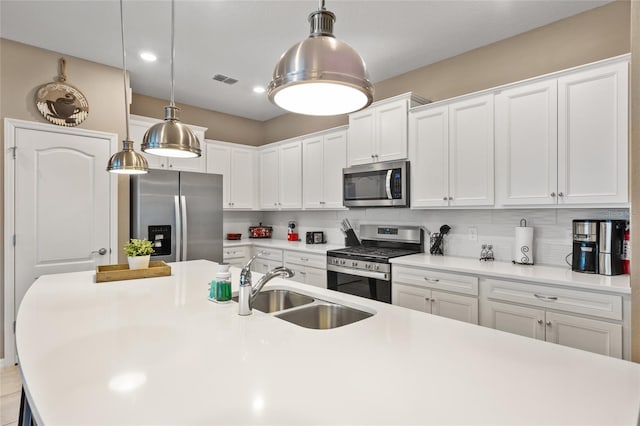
(224, 79)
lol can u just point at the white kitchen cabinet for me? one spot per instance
(563, 141)
(235, 256)
(449, 305)
(138, 126)
(451, 153)
(440, 293)
(237, 165)
(281, 176)
(527, 144)
(323, 156)
(379, 132)
(266, 259)
(565, 316)
(593, 135)
(568, 330)
(308, 268)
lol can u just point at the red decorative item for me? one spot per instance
(626, 252)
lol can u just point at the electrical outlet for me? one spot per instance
(473, 233)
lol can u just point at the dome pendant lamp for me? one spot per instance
(321, 75)
(171, 138)
(126, 161)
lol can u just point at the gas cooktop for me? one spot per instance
(382, 253)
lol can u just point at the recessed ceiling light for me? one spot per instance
(259, 89)
(148, 56)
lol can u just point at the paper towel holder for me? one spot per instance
(527, 257)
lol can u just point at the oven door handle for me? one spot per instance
(384, 276)
(388, 184)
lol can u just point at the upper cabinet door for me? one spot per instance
(243, 178)
(334, 160)
(592, 136)
(429, 153)
(218, 162)
(290, 189)
(527, 144)
(269, 178)
(471, 152)
(391, 131)
(361, 137)
(197, 164)
(313, 172)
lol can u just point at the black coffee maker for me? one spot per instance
(585, 246)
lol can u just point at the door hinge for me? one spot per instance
(14, 240)
(14, 327)
(13, 151)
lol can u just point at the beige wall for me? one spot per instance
(222, 127)
(596, 34)
(24, 68)
(634, 153)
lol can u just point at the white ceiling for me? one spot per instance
(244, 39)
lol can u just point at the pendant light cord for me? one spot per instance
(173, 49)
(321, 5)
(124, 72)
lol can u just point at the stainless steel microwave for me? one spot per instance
(377, 185)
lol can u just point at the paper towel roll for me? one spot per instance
(523, 248)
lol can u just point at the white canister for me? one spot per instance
(523, 247)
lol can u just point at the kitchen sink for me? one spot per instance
(277, 300)
(323, 316)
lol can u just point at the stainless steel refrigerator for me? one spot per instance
(180, 213)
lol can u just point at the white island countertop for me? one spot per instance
(156, 351)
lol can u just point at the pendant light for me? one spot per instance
(171, 138)
(321, 75)
(126, 161)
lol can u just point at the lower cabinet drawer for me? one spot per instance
(575, 301)
(263, 265)
(306, 259)
(234, 253)
(456, 283)
(268, 253)
(306, 275)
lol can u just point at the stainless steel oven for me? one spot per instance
(365, 270)
(377, 185)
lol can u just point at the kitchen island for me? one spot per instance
(157, 351)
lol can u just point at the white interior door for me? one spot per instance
(64, 203)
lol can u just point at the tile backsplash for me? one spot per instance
(552, 227)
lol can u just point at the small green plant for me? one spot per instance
(138, 247)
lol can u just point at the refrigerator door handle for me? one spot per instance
(176, 202)
(184, 227)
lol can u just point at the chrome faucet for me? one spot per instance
(248, 292)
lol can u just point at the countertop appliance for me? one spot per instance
(315, 237)
(179, 212)
(365, 270)
(610, 242)
(260, 231)
(585, 246)
(383, 184)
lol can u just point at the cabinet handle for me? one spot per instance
(275, 204)
(543, 297)
(304, 259)
(548, 323)
(560, 194)
(450, 198)
(373, 156)
(427, 299)
(539, 321)
(432, 280)
(433, 300)
(171, 165)
(162, 165)
(302, 273)
(553, 194)
(444, 198)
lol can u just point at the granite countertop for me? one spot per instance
(156, 351)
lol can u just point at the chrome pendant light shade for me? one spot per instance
(126, 161)
(171, 138)
(321, 75)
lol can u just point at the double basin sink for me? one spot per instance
(306, 311)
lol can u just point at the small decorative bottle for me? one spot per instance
(222, 285)
(490, 252)
(483, 252)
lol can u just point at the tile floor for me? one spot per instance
(10, 386)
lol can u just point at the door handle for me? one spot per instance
(185, 240)
(101, 251)
(176, 206)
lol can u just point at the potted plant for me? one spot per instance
(138, 253)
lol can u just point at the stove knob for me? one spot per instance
(343, 262)
(368, 266)
(377, 267)
(354, 264)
